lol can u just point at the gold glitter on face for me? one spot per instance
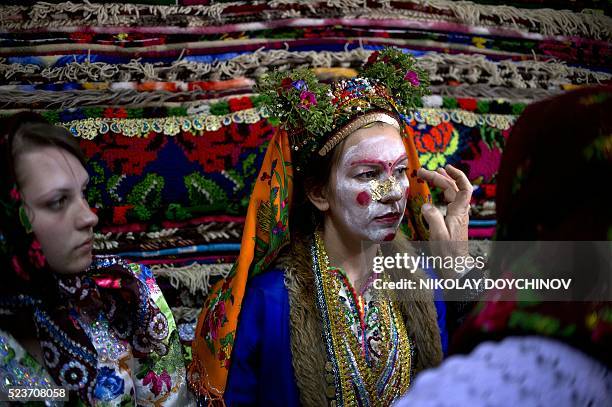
(381, 189)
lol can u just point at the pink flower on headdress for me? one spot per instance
(156, 383)
(308, 99)
(413, 78)
(36, 255)
(284, 86)
(14, 194)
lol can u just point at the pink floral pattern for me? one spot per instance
(156, 383)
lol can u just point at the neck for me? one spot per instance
(351, 255)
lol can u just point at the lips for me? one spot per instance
(388, 218)
(88, 244)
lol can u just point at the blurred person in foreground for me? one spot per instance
(553, 185)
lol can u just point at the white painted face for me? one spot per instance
(368, 186)
(51, 182)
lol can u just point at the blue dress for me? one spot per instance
(262, 371)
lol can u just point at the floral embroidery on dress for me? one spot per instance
(109, 385)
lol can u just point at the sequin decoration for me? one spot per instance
(381, 189)
(18, 368)
(73, 375)
(109, 346)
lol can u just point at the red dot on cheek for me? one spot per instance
(363, 198)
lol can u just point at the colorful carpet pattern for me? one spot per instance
(161, 95)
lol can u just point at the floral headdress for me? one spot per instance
(314, 117)
(317, 116)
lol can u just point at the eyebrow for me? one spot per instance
(379, 162)
(52, 193)
(61, 190)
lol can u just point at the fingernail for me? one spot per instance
(426, 207)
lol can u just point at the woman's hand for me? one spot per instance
(454, 226)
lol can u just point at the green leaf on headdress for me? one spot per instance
(51, 116)
(298, 100)
(25, 221)
(449, 103)
(400, 73)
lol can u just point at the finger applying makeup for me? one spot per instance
(443, 172)
(445, 183)
(459, 177)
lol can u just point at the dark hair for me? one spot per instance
(532, 205)
(304, 216)
(27, 130)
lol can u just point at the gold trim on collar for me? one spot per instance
(356, 125)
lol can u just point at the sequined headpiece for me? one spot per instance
(319, 116)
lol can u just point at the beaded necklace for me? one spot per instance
(354, 379)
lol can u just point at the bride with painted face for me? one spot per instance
(96, 326)
(297, 321)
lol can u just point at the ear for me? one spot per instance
(319, 198)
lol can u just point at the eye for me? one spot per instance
(58, 204)
(367, 175)
(400, 170)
